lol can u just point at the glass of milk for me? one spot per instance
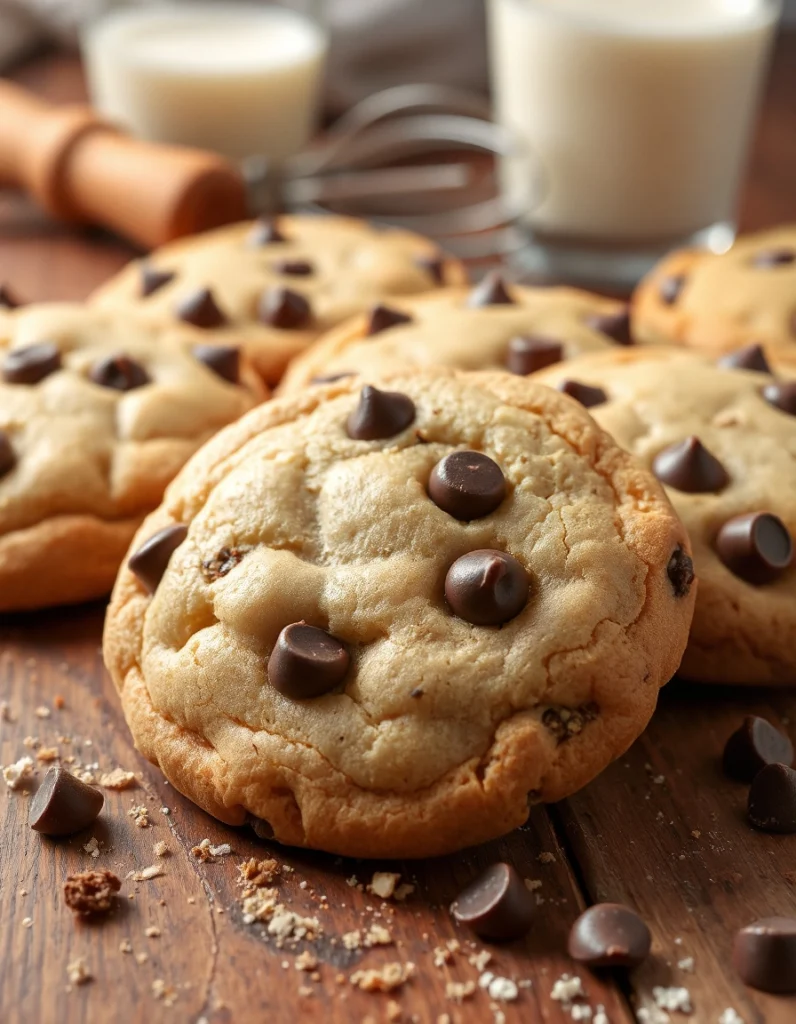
(236, 78)
(635, 119)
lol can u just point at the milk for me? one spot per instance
(636, 113)
(237, 79)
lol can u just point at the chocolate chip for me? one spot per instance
(330, 378)
(7, 457)
(223, 360)
(487, 587)
(32, 363)
(615, 325)
(282, 308)
(294, 268)
(688, 466)
(467, 485)
(8, 300)
(306, 662)
(587, 395)
(564, 723)
(63, 804)
(491, 291)
(527, 354)
(670, 287)
(150, 561)
(764, 955)
(200, 309)
(119, 372)
(380, 414)
(152, 280)
(773, 258)
(261, 828)
(609, 935)
(772, 799)
(497, 905)
(750, 357)
(680, 571)
(265, 232)
(382, 317)
(757, 546)
(223, 562)
(782, 395)
(416, 692)
(434, 266)
(754, 745)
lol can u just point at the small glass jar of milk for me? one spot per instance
(634, 117)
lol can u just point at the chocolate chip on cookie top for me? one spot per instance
(757, 546)
(768, 258)
(689, 466)
(30, 364)
(153, 279)
(381, 318)
(266, 231)
(119, 372)
(294, 268)
(750, 357)
(200, 309)
(491, 291)
(150, 560)
(380, 414)
(616, 325)
(306, 662)
(7, 457)
(670, 288)
(586, 394)
(680, 571)
(284, 309)
(782, 395)
(223, 360)
(434, 266)
(467, 485)
(527, 354)
(487, 587)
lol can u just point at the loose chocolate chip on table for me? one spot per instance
(757, 546)
(773, 258)
(63, 804)
(615, 325)
(680, 571)
(609, 935)
(32, 363)
(152, 280)
(764, 955)
(688, 466)
(285, 309)
(382, 317)
(200, 309)
(8, 300)
(527, 354)
(380, 414)
(306, 662)
(434, 266)
(782, 395)
(265, 232)
(497, 905)
(754, 745)
(491, 291)
(150, 561)
(587, 395)
(750, 357)
(467, 485)
(487, 587)
(772, 799)
(670, 288)
(223, 360)
(119, 372)
(7, 457)
(330, 378)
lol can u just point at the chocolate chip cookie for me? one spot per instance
(492, 326)
(98, 411)
(275, 286)
(383, 618)
(722, 437)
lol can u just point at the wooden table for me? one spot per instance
(661, 829)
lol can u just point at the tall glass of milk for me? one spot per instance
(635, 118)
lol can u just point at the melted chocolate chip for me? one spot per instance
(152, 280)
(609, 935)
(527, 354)
(764, 955)
(757, 547)
(750, 357)
(223, 562)
(151, 560)
(772, 799)
(497, 905)
(223, 360)
(680, 571)
(200, 309)
(491, 291)
(31, 363)
(688, 466)
(769, 258)
(7, 457)
(63, 804)
(285, 309)
(8, 299)
(379, 415)
(294, 268)
(265, 232)
(615, 325)
(434, 266)
(382, 317)
(670, 288)
(119, 372)
(487, 587)
(587, 395)
(467, 485)
(754, 745)
(306, 662)
(782, 395)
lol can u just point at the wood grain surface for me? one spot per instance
(661, 829)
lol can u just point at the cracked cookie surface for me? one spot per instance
(429, 732)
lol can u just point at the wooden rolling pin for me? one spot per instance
(85, 171)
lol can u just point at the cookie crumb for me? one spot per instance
(161, 849)
(546, 858)
(480, 960)
(385, 979)
(153, 871)
(730, 1016)
(27, 922)
(152, 932)
(125, 946)
(567, 988)
(306, 961)
(92, 847)
(500, 989)
(458, 991)
(77, 972)
(91, 892)
(674, 998)
(117, 779)
(384, 884)
(686, 964)
(16, 774)
(47, 754)
(258, 873)
(140, 815)
(42, 711)
(166, 993)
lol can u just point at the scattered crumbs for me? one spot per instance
(262, 905)
(658, 780)
(91, 892)
(305, 991)
(458, 991)
(652, 1015)
(675, 998)
(404, 889)
(166, 993)
(16, 774)
(393, 1012)
(258, 873)
(546, 858)
(303, 884)
(141, 958)
(23, 892)
(441, 955)
(58, 702)
(205, 852)
(165, 810)
(85, 776)
(306, 961)
(287, 869)
(77, 972)
(600, 1016)
(140, 815)
(453, 945)
(92, 847)
(444, 1018)
(27, 922)
(502, 990)
(532, 884)
(384, 884)
(480, 960)
(153, 871)
(117, 779)
(5, 712)
(686, 964)
(353, 882)
(567, 988)
(580, 1012)
(385, 979)
(42, 711)
(730, 1016)
(152, 932)
(696, 833)
(161, 848)
(31, 742)
(47, 754)
(125, 946)
(352, 940)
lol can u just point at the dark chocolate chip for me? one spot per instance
(261, 828)
(32, 363)
(487, 587)
(491, 291)
(564, 723)
(754, 745)
(200, 309)
(750, 357)
(773, 258)
(63, 804)
(8, 299)
(497, 905)
(418, 691)
(680, 571)
(330, 378)
(152, 280)
(150, 561)
(223, 360)
(265, 232)
(587, 395)
(119, 372)
(688, 466)
(757, 546)
(306, 662)
(294, 268)
(670, 288)
(609, 935)
(285, 309)
(7, 457)
(782, 395)
(380, 414)
(223, 562)
(615, 325)
(467, 485)
(434, 266)
(772, 799)
(764, 955)
(527, 354)
(382, 317)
